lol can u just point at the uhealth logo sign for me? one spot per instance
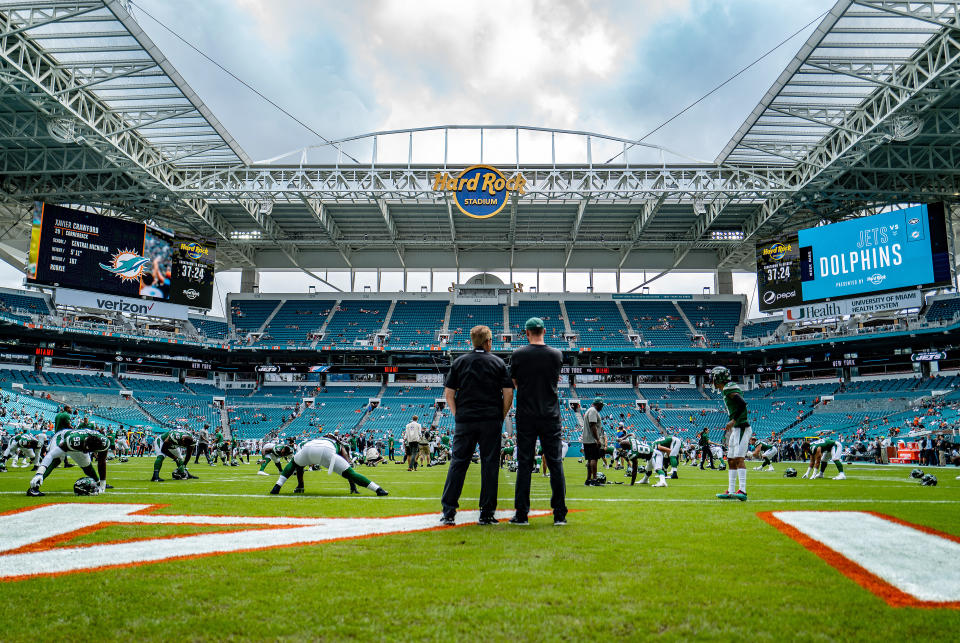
(480, 191)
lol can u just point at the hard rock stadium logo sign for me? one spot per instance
(480, 191)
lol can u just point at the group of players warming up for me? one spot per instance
(659, 457)
(84, 445)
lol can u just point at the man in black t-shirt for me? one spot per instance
(535, 369)
(479, 393)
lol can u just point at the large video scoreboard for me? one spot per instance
(898, 250)
(86, 251)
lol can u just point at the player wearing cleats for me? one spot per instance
(635, 451)
(169, 445)
(737, 432)
(821, 454)
(670, 447)
(507, 447)
(78, 444)
(26, 445)
(326, 453)
(763, 450)
(272, 452)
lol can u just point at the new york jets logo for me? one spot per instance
(127, 265)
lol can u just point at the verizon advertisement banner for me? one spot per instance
(857, 306)
(117, 304)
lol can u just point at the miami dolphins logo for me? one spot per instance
(127, 265)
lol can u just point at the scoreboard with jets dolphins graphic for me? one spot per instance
(903, 249)
(88, 251)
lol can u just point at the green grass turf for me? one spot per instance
(113, 533)
(633, 562)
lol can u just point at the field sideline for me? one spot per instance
(672, 562)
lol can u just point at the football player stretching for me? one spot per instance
(737, 432)
(272, 452)
(323, 452)
(763, 450)
(76, 443)
(821, 454)
(168, 445)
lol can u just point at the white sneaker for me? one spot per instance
(644, 481)
(262, 473)
(806, 475)
(662, 483)
(840, 476)
(769, 468)
(758, 468)
(816, 476)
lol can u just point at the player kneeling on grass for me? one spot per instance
(272, 452)
(323, 453)
(76, 443)
(168, 445)
(763, 450)
(821, 454)
(737, 433)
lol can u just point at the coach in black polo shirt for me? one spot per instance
(479, 394)
(535, 369)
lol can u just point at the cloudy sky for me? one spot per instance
(345, 68)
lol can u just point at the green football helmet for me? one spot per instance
(720, 375)
(790, 473)
(86, 486)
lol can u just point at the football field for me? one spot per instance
(801, 560)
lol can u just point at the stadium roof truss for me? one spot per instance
(92, 114)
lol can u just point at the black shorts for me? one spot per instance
(591, 451)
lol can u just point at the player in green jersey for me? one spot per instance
(24, 444)
(636, 451)
(272, 452)
(507, 447)
(822, 453)
(79, 444)
(765, 450)
(670, 446)
(169, 445)
(737, 432)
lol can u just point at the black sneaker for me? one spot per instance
(519, 520)
(382, 492)
(674, 475)
(447, 521)
(298, 490)
(190, 476)
(108, 486)
(156, 478)
(33, 492)
(559, 522)
(487, 520)
(275, 491)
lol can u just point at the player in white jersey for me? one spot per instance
(327, 454)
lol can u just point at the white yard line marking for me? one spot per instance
(903, 564)
(29, 527)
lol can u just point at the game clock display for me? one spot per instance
(87, 251)
(886, 252)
